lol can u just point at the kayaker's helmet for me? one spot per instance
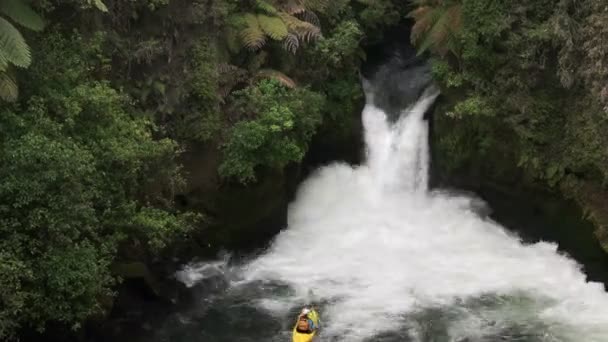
(305, 311)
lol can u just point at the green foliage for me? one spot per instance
(475, 105)
(8, 87)
(14, 51)
(280, 22)
(81, 175)
(87, 155)
(252, 34)
(277, 76)
(22, 14)
(273, 27)
(99, 5)
(378, 14)
(342, 44)
(278, 132)
(437, 25)
(203, 118)
(528, 85)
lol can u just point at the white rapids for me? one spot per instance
(378, 248)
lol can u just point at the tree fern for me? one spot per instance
(293, 6)
(274, 27)
(13, 47)
(3, 62)
(291, 43)
(317, 5)
(8, 88)
(310, 17)
(99, 4)
(302, 29)
(288, 21)
(21, 14)
(252, 35)
(266, 7)
(298, 6)
(437, 23)
(423, 21)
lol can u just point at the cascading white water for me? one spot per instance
(380, 251)
(398, 154)
(386, 259)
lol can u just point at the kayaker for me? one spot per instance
(305, 324)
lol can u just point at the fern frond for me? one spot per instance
(419, 13)
(8, 88)
(277, 76)
(447, 27)
(22, 14)
(293, 7)
(3, 62)
(100, 5)
(455, 15)
(308, 33)
(230, 76)
(436, 25)
(13, 47)
(310, 17)
(274, 27)
(302, 29)
(423, 21)
(291, 43)
(440, 30)
(317, 5)
(252, 35)
(265, 7)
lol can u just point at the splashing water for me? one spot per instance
(387, 260)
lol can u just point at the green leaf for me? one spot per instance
(8, 88)
(317, 5)
(22, 14)
(253, 36)
(13, 47)
(3, 62)
(264, 6)
(274, 27)
(100, 5)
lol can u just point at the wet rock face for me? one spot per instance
(398, 74)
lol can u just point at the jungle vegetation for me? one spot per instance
(100, 98)
(525, 85)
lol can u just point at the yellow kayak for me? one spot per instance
(306, 337)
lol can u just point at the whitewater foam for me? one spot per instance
(377, 246)
(380, 252)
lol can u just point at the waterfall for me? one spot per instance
(386, 259)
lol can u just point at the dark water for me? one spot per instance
(220, 312)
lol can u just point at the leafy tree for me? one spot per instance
(278, 124)
(87, 155)
(81, 177)
(529, 84)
